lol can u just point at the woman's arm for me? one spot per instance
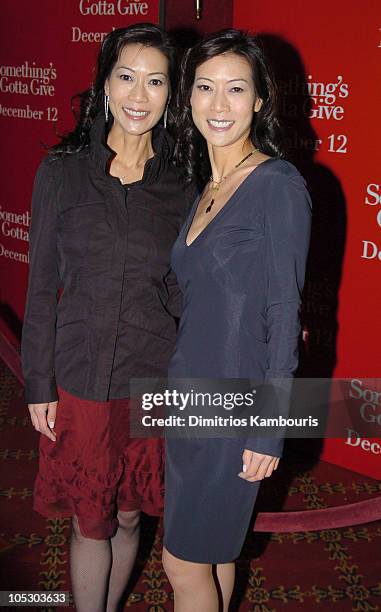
(288, 222)
(38, 337)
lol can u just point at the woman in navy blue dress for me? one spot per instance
(240, 261)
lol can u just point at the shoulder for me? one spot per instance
(56, 171)
(283, 187)
(49, 166)
(55, 164)
(276, 184)
(178, 174)
(279, 171)
(186, 190)
(48, 174)
(272, 175)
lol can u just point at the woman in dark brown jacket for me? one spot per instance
(107, 206)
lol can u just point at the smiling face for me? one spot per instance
(223, 99)
(138, 88)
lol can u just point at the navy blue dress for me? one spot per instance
(242, 279)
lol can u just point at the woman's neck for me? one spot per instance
(224, 159)
(131, 151)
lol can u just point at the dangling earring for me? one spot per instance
(165, 116)
(106, 106)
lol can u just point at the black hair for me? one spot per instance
(91, 101)
(191, 151)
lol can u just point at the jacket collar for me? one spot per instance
(102, 154)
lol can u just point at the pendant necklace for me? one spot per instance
(215, 185)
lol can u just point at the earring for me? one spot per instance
(106, 100)
(165, 116)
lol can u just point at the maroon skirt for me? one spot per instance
(95, 469)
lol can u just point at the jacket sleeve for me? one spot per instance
(174, 303)
(288, 222)
(38, 336)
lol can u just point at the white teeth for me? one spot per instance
(134, 113)
(220, 124)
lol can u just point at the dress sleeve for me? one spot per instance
(288, 223)
(39, 328)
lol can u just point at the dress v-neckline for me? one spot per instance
(225, 206)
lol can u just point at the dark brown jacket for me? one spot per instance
(107, 248)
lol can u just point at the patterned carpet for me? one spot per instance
(336, 569)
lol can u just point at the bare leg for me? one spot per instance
(124, 548)
(193, 584)
(90, 564)
(226, 577)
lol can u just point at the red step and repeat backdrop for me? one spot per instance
(326, 56)
(47, 54)
(325, 59)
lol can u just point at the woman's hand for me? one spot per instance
(43, 418)
(257, 466)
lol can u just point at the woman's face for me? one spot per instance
(224, 100)
(138, 88)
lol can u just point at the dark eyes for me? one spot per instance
(154, 82)
(235, 89)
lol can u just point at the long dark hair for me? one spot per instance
(91, 101)
(191, 151)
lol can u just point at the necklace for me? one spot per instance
(215, 185)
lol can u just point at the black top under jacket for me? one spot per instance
(105, 248)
